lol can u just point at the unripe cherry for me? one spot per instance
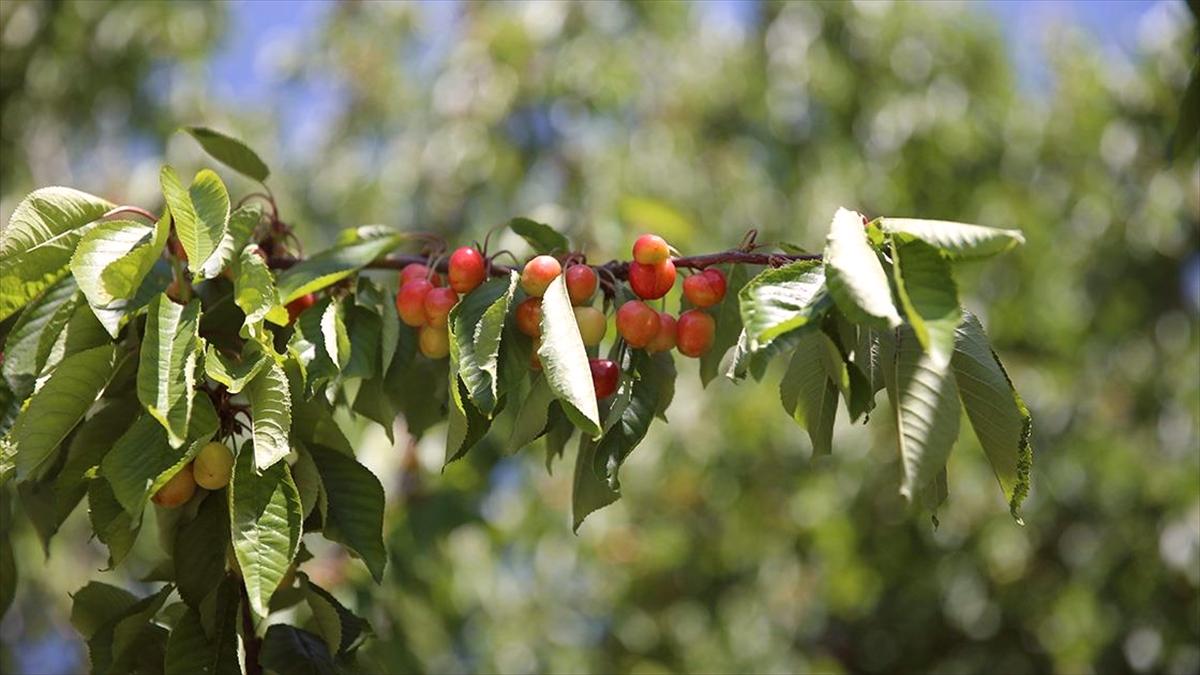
(650, 282)
(664, 340)
(414, 271)
(538, 274)
(434, 342)
(438, 303)
(705, 289)
(605, 376)
(410, 302)
(213, 466)
(296, 307)
(177, 491)
(637, 323)
(592, 325)
(467, 269)
(529, 317)
(650, 249)
(581, 284)
(694, 332)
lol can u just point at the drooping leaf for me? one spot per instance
(476, 324)
(113, 257)
(242, 223)
(533, 416)
(355, 508)
(808, 392)
(200, 212)
(265, 522)
(341, 628)
(37, 243)
(565, 360)
(335, 340)
(231, 152)
(113, 525)
(97, 604)
(729, 323)
(958, 240)
(364, 330)
(271, 411)
(927, 413)
(291, 650)
(136, 644)
(928, 295)
(331, 266)
(854, 275)
(541, 238)
(626, 430)
(999, 417)
(781, 300)
(200, 545)
(189, 649)
(167, 368)
(21, 363)
(58, 406)
(559, 431)
(254, 292)
(236, 374)
(590, 491)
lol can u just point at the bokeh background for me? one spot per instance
(730, 551)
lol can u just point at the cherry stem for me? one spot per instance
(131, 209)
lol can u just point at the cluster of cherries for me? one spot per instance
(423, 302)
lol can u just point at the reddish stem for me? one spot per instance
(131, 209)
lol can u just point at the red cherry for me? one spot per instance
(297, 306)
(581, 284)
(538, 274)
(414, 271)
(529, 317)
(410, 302)
(650, 249)
(651, 281)
(705, 289)
(176, 248)
(664, 340)
(467, 269)
(535, 361)
(637, 323)
(605, 376)
(694, 332)
(438, 302)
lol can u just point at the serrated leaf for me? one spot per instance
(189, 649)
(999, 417)
(123, 277)
(958, 240)
(541, 238)
(781, 300)
(626, 430)
(200, 546)
(927, 413)
(287, 649)
(97, 604)
(37, 243)
(364, 330)
(476, 325)
(929, 296)
(335, 341)
(340, 627)
(21, 363)
(590, 491)
(265, 522)
(200, 213)
(254, 292)
(112, 258)
(565, 360)
(135, 641)
(532, 419)
(170, 353)
(331, 266)
(854, 275)
(231, 152)
(271, 412)
(58, 406)
(236, 374)
(355, 509)
(111, 523)
(808, 393)
(242, 223)
(729, 323)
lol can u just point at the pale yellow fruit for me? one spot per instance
(177, 491)
(213, 466)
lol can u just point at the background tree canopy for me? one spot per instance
(731, 550)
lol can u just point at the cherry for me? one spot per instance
(694, 332)
(467, 269)
(177, 491)
(529, 317)
(410, 302)
(213, 466)
(175, 292)
(605, 376)
(415, 271)
(664, 340)
(176, 248)
(581, 284)
(592, 325)
(434, 342)
(538, 274)
(705, 289)
(651, 281)
(297, 306)
(650, 249)
(438, 302)
(637, 323)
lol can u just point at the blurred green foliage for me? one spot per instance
(731, 550)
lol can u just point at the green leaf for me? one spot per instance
(559, 431)
(854, 275)
(335, 340)
(166, 377)
(296, 652)
(97, 604)
(541, 238)
(271, 412)
(200, 546)
(534, 415)
(476, 324)
(729, 323)
(21, 363)
(807, 391)
(231, 152)
(254, 292)
(999, 417)
(781, 300)
(626, 430)
(112, 260)
(58, 406)
(189, 649)
(364, 329)
(355, 508)
(331, 266)
(235, 375)
(201, 214)
(124, 276)
(242, 223)
(466, 426)
(37, 243)
(958, 240)
(927, 414)
(341, 628)
(134, 642)
(265, 521)
(590, 491)
(113, 525)
(565, 360)
(929, 296)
